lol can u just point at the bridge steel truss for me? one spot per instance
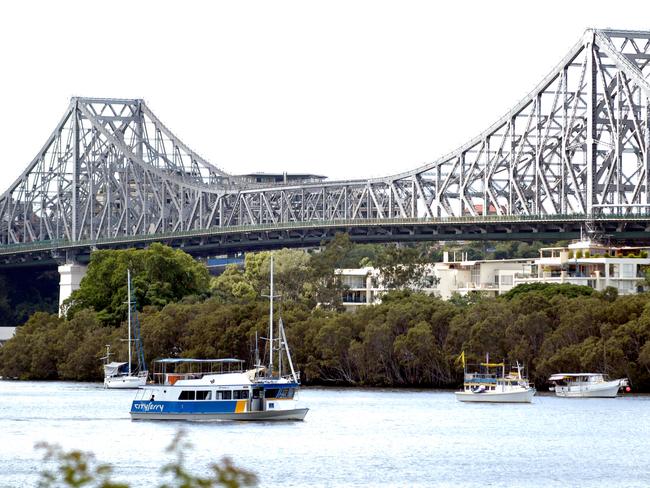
(578, 144)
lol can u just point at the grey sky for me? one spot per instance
(341, 88)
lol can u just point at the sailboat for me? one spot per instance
(124, 375)
(220, 389)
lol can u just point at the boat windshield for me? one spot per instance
(170, 370)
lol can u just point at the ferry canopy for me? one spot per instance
(189, 360)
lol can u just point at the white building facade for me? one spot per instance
(583, 263)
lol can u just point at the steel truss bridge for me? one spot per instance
(575, 150)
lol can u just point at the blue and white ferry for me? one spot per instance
(220, 389)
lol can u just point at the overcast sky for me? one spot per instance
(341, 88)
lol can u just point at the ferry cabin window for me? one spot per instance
(203, 395)
(279, 393)
(186, 395)
(224, 395)
(240, 394)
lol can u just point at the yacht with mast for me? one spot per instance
(124, 375)
(220, 389)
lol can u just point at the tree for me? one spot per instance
(160, 275)
(329, 286)
(232, 285)
(550, 290)
(405, 267)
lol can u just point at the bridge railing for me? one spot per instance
(464, 220)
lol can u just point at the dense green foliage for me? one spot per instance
(24, 291)
(159, 274)
(551, 289)
(410, 339)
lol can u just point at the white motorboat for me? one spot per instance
(491, 384)
(586, 385)
(123, 375)
(220, 389)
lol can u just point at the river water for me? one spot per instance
(351, 437)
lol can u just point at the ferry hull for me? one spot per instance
(608, 389)
(523, 396)
(294, 414)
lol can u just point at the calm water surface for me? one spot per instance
(351, 437)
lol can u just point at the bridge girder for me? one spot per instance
(578, 144)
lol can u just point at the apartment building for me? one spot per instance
(585, 263)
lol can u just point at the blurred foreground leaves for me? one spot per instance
(80, 469)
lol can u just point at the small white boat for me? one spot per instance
(219, 389)
(117, 375)
(491, 384)
(586, 385)
(123, 375)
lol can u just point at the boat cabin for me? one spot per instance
(169, 370)
(490, 376)
(563, 379)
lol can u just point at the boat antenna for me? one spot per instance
(128, 286)
(271, 321)
(271, 296)
(257, 352)
(280, 341)
(108, 354)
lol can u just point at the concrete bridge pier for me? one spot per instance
(70, 278)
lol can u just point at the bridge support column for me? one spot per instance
(70, 277)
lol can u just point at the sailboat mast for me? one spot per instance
(128, 286)
(271, 322)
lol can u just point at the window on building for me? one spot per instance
(506, 280)
(476, 274)
(354, 281)
(628, 270)
(354, 296)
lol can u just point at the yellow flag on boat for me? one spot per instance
(461, 359)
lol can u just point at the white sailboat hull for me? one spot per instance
(125, 382)
(605, 389)
(516, 396)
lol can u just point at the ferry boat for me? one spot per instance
(586, 385)
(122, 375)
(491, 384)
(220, 389)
